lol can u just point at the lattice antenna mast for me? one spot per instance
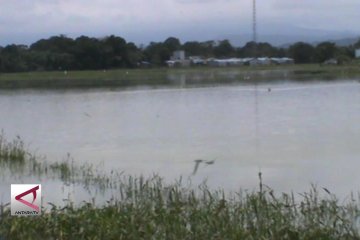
(254, 22)
(257, 140)
(254, 30)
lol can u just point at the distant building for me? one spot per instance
(178, 55)
(225, 62)
(178, 60)
(264, 61)
(171, 63)
(144, 64)
(260, 61)
(282, 61)
(196, 60)
(331, 61)
(357, 53)
(248, 61)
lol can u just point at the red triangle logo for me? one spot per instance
(31, 205)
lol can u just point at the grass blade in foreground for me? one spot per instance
(151, 209)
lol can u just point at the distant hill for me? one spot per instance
(285, 41)
(344, 41)
(285, 36)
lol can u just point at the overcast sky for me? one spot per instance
(141, 21)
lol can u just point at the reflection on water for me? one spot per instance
(296, 134)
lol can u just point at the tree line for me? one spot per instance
(87, 53)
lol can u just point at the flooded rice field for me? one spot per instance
(296, 134)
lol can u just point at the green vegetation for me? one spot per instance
(16, 161)
(62, 62)
(179, 77)
(83, 79)
(113, 52)
(12, 154)
(152, 209)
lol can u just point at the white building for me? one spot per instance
(331, 61)
(260, 61)
(225, 62)
(178, 55)
(178, 59)
(196, 60)
(357, 53)
(282, 61)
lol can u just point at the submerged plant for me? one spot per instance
(149, 208)
(152, 209)
(12, 154)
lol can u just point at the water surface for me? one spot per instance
(296, 134)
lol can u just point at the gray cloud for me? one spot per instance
(145, 20)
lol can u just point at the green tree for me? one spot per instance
(281, 52)
(249, 50)
(193, 48)
(302, 52)
(114, 52)
(13, 58)
(224, 49)
(357, 44)
(344, 54)
(325, 51)
(262, 49)
(157, 53)
(88, 53)
(57, 44)
(134, 55)
(172, 44)
(266, 50)
(55, 53)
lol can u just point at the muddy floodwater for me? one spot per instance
(296, 134)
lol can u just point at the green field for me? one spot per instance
(175, 77)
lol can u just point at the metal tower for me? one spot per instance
(254, 22)
(257, 130)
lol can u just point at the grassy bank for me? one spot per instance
(174, 77)
(152, 209)
(149, 208)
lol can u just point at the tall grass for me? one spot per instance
(12, 154)
(149, 208)
(18, 161)
(152, 209)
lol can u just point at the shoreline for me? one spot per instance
(177, 77)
